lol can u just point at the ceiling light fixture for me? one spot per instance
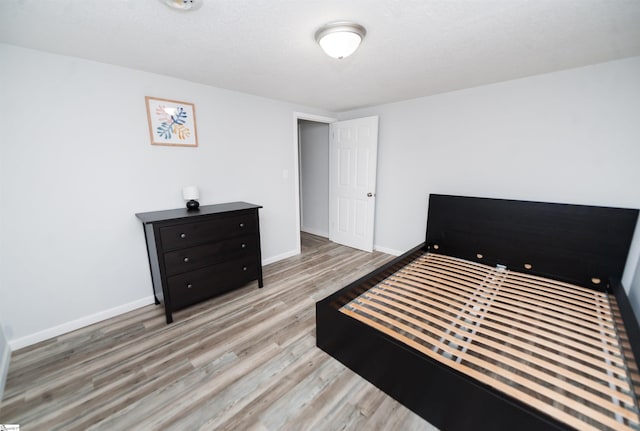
(182, 4)
(340, 39)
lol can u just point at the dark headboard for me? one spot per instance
(572, 243)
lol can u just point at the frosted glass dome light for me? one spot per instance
(340, 39)
(183, 4)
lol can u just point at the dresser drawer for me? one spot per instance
(189, 234)
(195, 286)
(188, 259)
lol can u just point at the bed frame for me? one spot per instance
(583, 245)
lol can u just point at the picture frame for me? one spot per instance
(171, 122)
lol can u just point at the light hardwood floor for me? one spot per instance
(243, 361)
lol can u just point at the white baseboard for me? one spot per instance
(314, 231)
(387, 250)
(79, 323)
(106, 314)
(121, 309)
(281, 256)
(4, 367)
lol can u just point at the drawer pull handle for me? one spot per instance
(243, 245)
(241, 224)
(189, 286)
(183, 235)
(244, 268)
(186, 259)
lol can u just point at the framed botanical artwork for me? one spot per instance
(171, 122)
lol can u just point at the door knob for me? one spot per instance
(369, 194)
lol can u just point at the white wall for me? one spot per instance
(76, 164)
(314, 177)
(571, 136)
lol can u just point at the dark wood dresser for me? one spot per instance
(195, 255)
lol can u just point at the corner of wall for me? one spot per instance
(387, 250)
(66, 327)
(5, 359)
(281, 256)
(634, 291)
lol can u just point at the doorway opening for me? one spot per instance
(311, 147)
(313, 161)
(314, 177)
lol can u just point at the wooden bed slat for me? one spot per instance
(474, 347)
(597, 373)
(583, 302)
(592, 306)
(582, 305)
(524, 323)
(579, 309)
(557, 285)
(574, 358)
(579, 296)
(505, 297)
(526, 339)
(484, 378)
(480, 331)
(534, 402)
(573, 319)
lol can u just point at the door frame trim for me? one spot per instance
(296, 163)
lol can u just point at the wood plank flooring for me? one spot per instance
(243, 361)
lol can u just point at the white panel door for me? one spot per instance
(353, 154)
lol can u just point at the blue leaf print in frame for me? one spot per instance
(164, 130)
(171, 122)
(180, 116)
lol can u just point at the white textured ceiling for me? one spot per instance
(266, 47)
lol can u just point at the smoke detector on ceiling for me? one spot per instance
(183, 4)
